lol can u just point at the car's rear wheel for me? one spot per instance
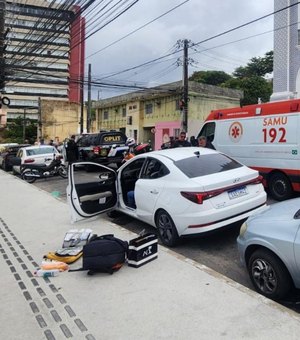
(28, 176)
(280, 187)
(4, 166)
(166, 229)
(269, 275)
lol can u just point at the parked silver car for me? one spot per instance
(269, 246)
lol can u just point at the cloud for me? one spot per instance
(197, 21)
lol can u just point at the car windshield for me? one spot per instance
(206, 165)
(39, 151)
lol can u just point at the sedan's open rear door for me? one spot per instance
(91, 193)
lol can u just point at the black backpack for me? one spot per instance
(104, 254)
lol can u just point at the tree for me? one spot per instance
(14, 131)
(210, 77)
(254, 88)
(256, 67)
(249, 78)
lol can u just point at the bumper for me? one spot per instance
(214, 220)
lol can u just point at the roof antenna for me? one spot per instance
(197, 153)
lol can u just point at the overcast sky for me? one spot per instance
(195, 20)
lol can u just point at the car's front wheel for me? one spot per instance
(269, 275)
(166, 229)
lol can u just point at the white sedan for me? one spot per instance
(37, 154)
(181, 191)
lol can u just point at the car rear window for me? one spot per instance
(40, 151)
(206, 165)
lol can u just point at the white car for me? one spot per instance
(37, 154)
(181, 191)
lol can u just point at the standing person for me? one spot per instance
(182, 142)
(193, 141)
(205, 143)
(71, 150)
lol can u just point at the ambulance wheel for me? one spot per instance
(166, 229)
(280, 187)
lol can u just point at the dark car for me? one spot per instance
(7, 154)
(104, 147)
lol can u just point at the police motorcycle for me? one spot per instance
(31, 172)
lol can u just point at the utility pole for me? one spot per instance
(185, 86)
(2, 62)
(89, 101)
(81, 103)
(39, 130)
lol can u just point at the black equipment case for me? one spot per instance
(142, 250)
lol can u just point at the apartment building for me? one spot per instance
(43, 55)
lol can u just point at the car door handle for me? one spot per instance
(155, 192)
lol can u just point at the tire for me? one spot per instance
(166, 229)
(269, 275)
(63, 171)
(4, 166)
(280, 187)
(27, 178)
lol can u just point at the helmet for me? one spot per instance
(130, 141)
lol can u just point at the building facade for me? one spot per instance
(43, 55)
(286, 80)
(155, 114)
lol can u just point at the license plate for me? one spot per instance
(237, 192)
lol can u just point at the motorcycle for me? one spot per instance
(136, 149)
(31, 172)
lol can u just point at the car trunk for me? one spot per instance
(229, 187)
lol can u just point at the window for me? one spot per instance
(154, 169)
(202, 165)
(105, 115)
(124, 112)
(208, 130)
(149, 108)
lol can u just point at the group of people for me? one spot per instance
(182, 141)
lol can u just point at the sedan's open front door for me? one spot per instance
(91, 193)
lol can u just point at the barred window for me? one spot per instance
(149, 108)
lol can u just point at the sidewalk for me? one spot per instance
(169, 298)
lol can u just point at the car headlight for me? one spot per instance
(243, 229)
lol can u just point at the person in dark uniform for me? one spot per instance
(72, 150)
(182, 142)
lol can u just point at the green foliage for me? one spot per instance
(210, 77)
(254, 87)
(256, 67)
(14, 130)
(250, 79)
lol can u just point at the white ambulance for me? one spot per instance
(265, 137)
